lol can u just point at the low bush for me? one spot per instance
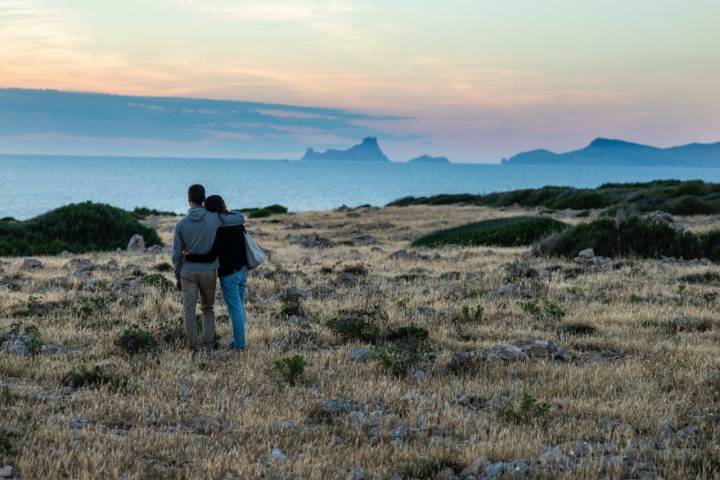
(157, 280)
(134, 340)
(290, 369)
(502, 232)
(354, 328)
(634, 236)
(263, 212)
(79, 228)
(82, 376)
(527, 410)
(141, 213)
(403, 349)
(692, 197)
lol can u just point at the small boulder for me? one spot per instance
(136, 244)
(685, 324)
(79, 423)
(7, 471)
(31, 264)
(586, 254)
(507, 352)
(400, 255)
(278, 455)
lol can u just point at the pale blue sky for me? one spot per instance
(481, 79)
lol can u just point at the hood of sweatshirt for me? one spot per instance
(196, 214)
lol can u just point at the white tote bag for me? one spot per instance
(255, 254)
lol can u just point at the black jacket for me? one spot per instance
(228, 248)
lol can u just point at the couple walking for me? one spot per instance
(209, 242)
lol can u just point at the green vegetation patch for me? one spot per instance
(692, 197)
(79, 228)
(634, 237)
(501, 232)
(263, 212)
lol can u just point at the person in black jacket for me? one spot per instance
(229, 249)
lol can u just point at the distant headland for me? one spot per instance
(607, 152)
(429, 159)
(367, 151)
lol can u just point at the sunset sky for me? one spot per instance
(476, 80)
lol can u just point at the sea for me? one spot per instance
(31, 185)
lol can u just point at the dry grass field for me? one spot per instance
(629, 386)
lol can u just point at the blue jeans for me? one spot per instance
(233, 288)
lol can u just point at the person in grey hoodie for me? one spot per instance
(195, 234)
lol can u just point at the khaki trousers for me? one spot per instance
(200, 283)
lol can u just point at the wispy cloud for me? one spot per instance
(331, 18)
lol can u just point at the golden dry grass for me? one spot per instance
(185, 417)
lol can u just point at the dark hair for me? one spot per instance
(196, 194)
(215, 203)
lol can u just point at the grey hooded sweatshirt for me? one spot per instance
(195, 233)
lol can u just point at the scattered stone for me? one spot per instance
(446, 473)
(136, 244)
(685, 324)
(65, 254)
(31, 264)
(66, 390)
(507, 353)
(544, 349)
(287, 424)
(359, 353)
(278, 455)
(336, 440)
(713, 377)
(334, 407)
(419, 374)
(310, 241)
(7, 471)
(17, 345)
(451, 276)
(82, 266)
(347, 279)
(79, 423)
(553, 456)
(400, 255)
(587, 253)
(660, 217)
(206, 425)
(471, 400)
(357, 473)
(325, 291)
(509, 289)
(518, 270)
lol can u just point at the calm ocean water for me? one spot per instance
(33, 185)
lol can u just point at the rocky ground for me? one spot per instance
(452, 363)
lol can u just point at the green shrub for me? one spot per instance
(466, 316)
(354, 328)
(134, 340)
(157, 280)
(142, 213)
(635, 236)
(688, 205)
(403, 349)
(503, 232)
(290, 369)
(263, 212)
(87, 306)
(79, 228)
(163, 267)
(81, 376)
(529, 409)
(291, 304)
(672, 196)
